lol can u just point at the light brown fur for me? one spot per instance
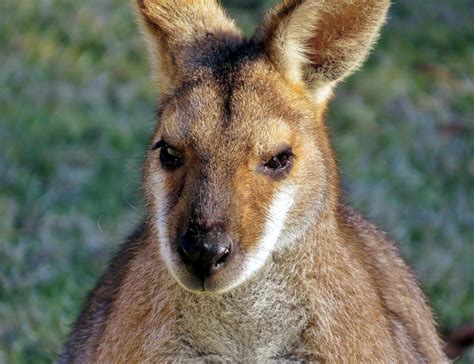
(308, 278)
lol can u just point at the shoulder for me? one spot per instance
(371, 235)
(88, 328)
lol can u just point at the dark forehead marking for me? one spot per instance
(226, 62)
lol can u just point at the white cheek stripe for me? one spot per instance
(161, 213)
(275, 223)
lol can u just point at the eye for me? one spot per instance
(170, 158)
(279, 164)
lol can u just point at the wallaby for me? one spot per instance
(247, 252)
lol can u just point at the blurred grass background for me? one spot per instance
(76, 109)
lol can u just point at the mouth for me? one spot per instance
(197, 282)
(200, 282)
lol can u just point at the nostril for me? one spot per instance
(220, 261)
(188, 250)
(183, 255)
(222, 255)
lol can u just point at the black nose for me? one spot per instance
(205, 251)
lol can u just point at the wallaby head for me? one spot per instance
(240, 163)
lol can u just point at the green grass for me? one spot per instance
(76, 109)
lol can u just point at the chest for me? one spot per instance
(257, 322)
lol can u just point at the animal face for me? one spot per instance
(232, 173)
(240, 162)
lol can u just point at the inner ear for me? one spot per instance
(338, 44)
(320, 42)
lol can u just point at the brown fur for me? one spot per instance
(308, 278)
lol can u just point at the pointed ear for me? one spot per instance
(178, 32)
(320, 42)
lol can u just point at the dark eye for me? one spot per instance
(170, 158)
(279, 164)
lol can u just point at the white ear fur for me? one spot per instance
(320, 42)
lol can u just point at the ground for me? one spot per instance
(76, 109)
